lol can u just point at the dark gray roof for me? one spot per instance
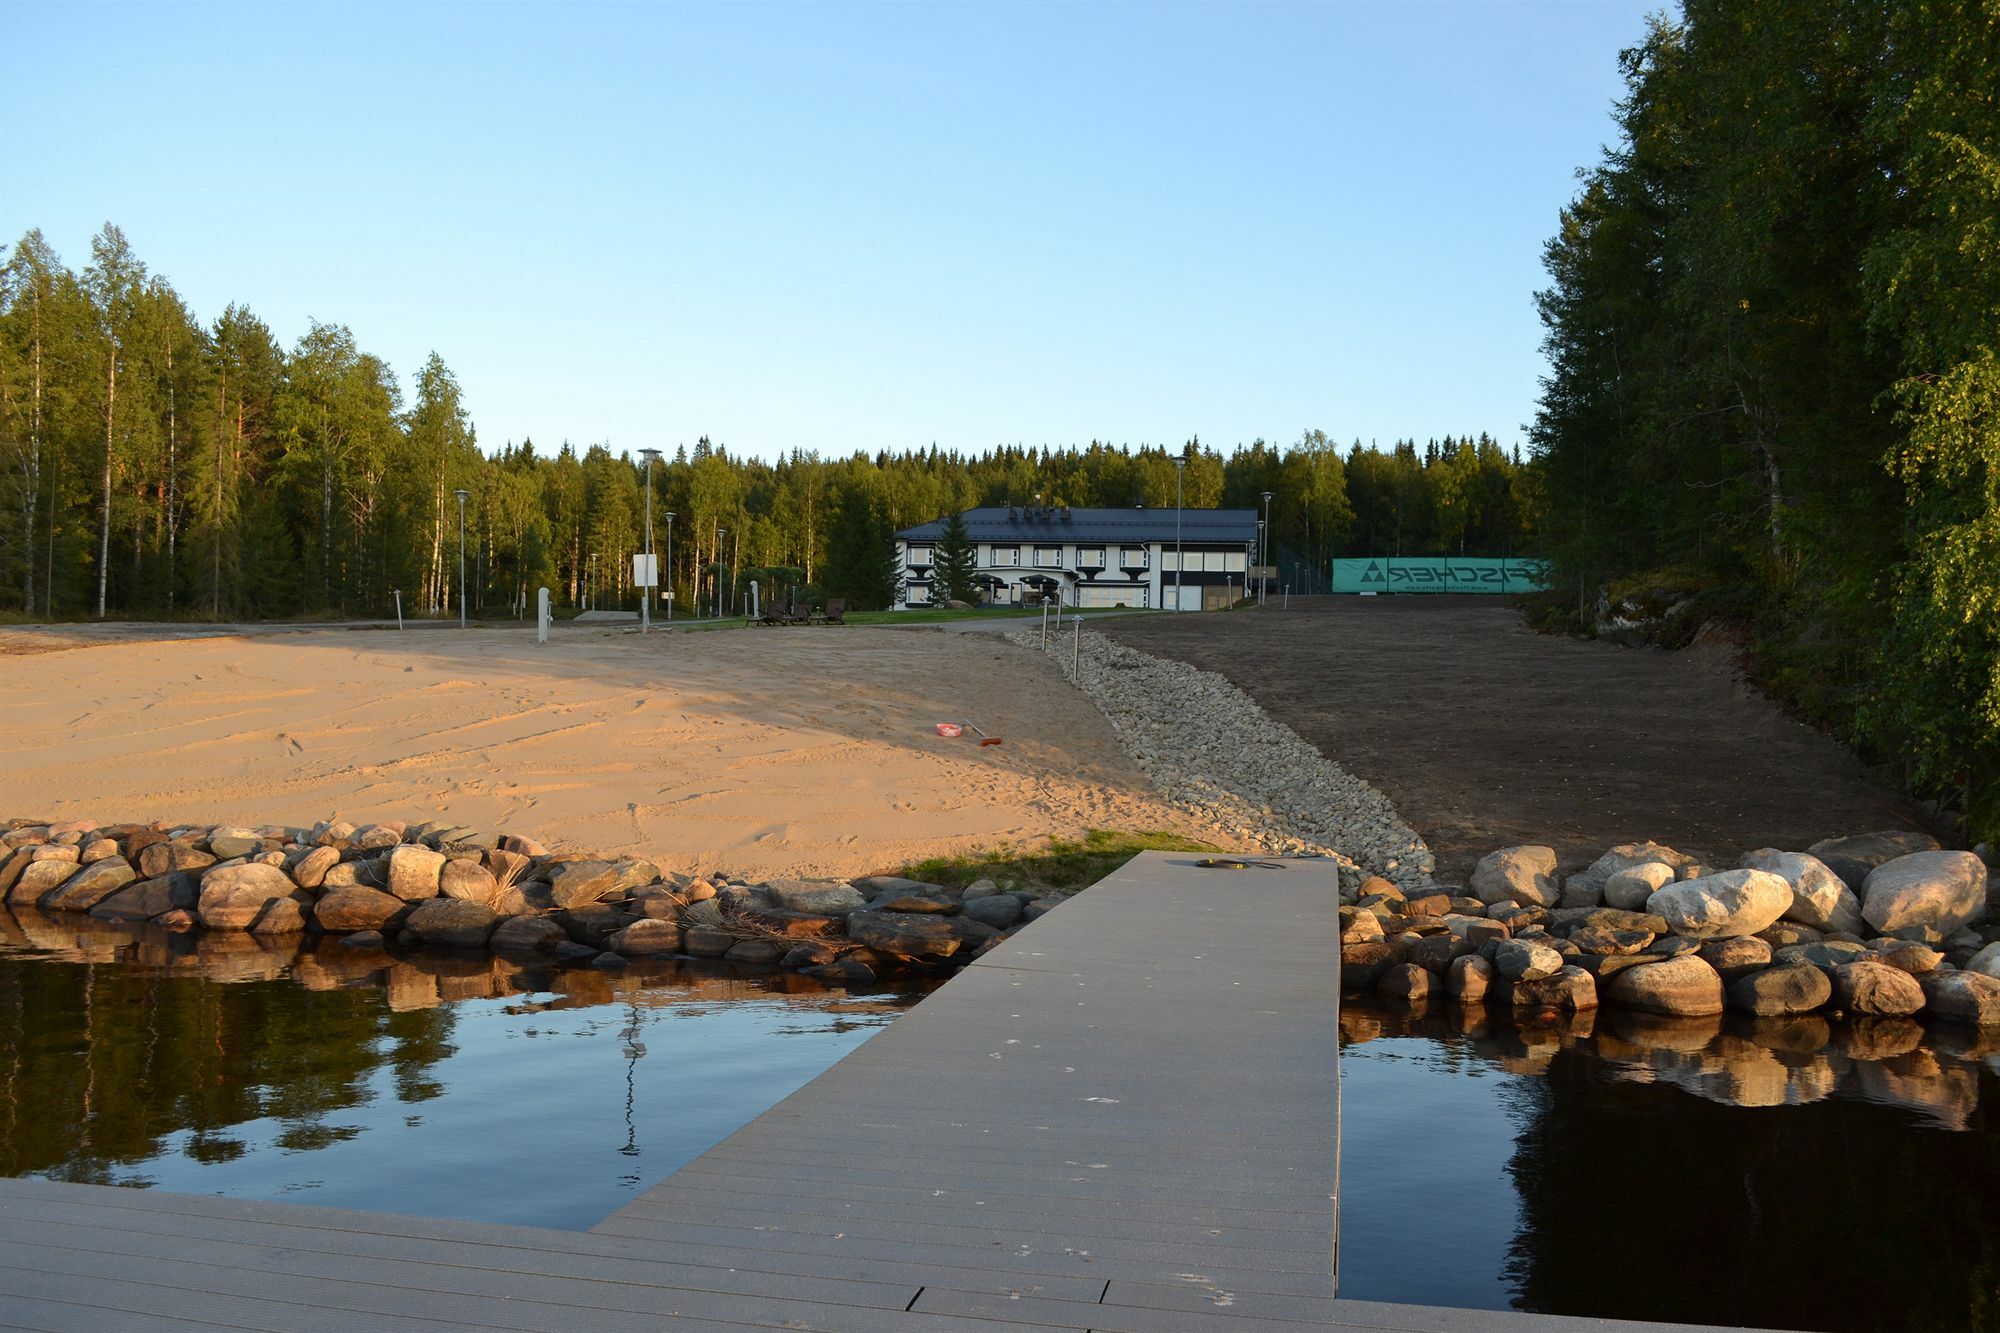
(1029, 523)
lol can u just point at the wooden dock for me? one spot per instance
(1124, 1119)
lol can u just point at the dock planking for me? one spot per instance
(1124, 1118)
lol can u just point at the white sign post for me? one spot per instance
(542, 615)
(645, 577)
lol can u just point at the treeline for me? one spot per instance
(157, 465)
(1774, 327)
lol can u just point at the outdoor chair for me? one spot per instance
(836, 611)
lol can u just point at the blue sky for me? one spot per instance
(846, 227)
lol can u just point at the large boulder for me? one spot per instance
(1525, 960)
(593, 923)
(309, 871)
(1736, 956)
(1852, 858)
(468, 881)
(148, 898)
(1963, 997)
(38, 878)
(355, 907)
(1683, 987)
(451, 923)
(1362, 962)
(1587, 889)
(708, 942)
(817, 897)
(1876, 990)
(646, 939)
(1525, 874)
(350, 873)
(904, 934)
(1774, 992)
(281, 916)
(532, 934)
(91, 885)
(227, 842)
(578, 883)
(232, 896)
(1937, 890)
(879, 884)
(1468, 979)
(11, 867)
(999, 910)
(1735, 902)
(1627, 890)
(413, 871)
(1571, 989)
(163, 858)
(1986, 962)
(1406, 981)
(1820, 898)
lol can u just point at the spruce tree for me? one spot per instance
(957, 562)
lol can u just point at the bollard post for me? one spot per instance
(1045, 626)
(399, 608)
(542, 616)
(1075, 647)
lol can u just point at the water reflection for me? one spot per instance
(388, 1081)
(1783, 1173)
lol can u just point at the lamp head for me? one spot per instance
(650, 455)
(463, 495)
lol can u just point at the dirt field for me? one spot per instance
(763, 752)
(1486, 734)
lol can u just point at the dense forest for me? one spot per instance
(1774, 333)
(159, 466)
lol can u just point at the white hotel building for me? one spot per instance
(1092, 557)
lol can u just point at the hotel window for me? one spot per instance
(1234, 562)
(918, 594)
(1048, 557)
(1006, 557)
(920, 556)
(1133, 557)
(1090, 557)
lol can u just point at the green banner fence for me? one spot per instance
(1437, 573)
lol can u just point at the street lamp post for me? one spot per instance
(720, 533)
(590, 585)
(670, 567)
(463, 496)
(651, 456)
(1264, 547)
(1180, 555)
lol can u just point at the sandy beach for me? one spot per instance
(760, 752)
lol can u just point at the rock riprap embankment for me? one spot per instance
(1212, 751)
(1883, 925)
(453, 888)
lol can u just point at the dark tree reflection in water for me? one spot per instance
(221, 1063)
(1784, 1175)
(104, 1062)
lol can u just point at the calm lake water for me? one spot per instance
(1778, 1174)
(1794, 1174)
(443, 1086)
